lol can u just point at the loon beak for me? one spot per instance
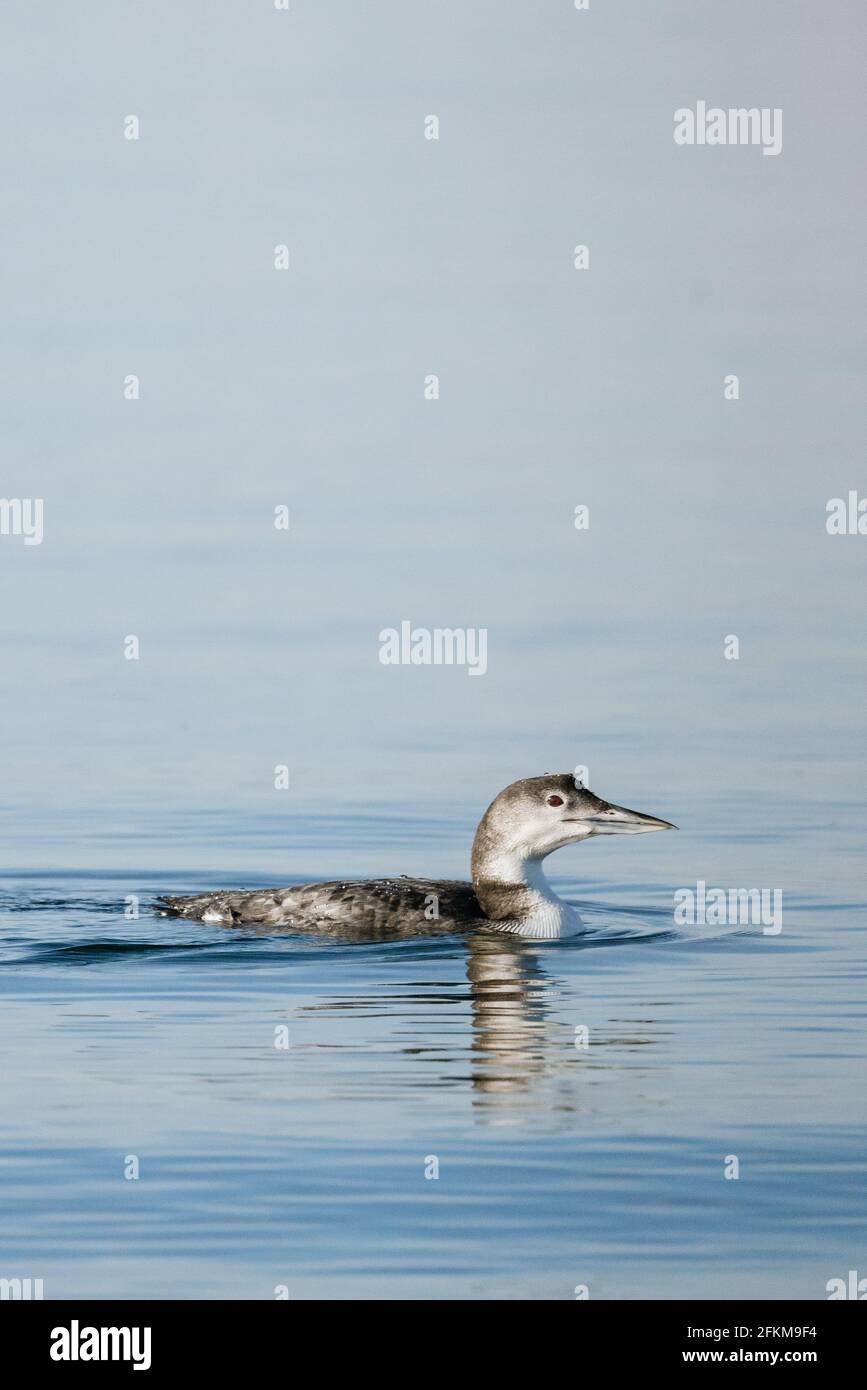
(619, 820)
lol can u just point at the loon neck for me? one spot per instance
(516, 897)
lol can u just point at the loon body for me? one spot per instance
(509, 892)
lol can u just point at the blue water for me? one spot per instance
(263, 1167)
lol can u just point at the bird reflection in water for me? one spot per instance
(521, 1054)
(508, 989)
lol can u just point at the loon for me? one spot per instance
(509, 892)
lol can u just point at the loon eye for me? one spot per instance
(555, 801)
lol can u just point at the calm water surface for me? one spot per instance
(558, 1166)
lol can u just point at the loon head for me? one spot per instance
(534, 817)
(528, 821)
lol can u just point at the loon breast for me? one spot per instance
(551, 921)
